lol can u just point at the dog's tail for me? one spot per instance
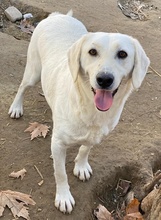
(69, 13)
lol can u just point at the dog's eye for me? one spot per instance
(93, 52)
(122, 54)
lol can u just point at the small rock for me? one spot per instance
(28, 15)
(13, 14)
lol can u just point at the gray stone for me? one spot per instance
(13, 14)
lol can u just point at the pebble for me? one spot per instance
(28, 15)
(13, 14)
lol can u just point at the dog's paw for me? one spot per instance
(15, 111)
(83, 171)
(64, 202)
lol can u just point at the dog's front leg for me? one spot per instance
(64, 201)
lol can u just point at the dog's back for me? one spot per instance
(57, 33)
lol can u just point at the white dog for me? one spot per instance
(81, 75)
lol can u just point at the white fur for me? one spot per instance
(59, 54)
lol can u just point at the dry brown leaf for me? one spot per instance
(132, 211)
(17, 202)
(20, 173)
(102, 213)
(26, 26)
(147, 202)
(36, 129)
(133, 206)
(136, 215)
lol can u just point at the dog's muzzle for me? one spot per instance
(103, 95)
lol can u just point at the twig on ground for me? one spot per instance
(45, 111)
(149, 187)
(2, 7)
(42, 178)
(39, 172)
(41, 94)
(30, 192)
(155, 71)
(25, 139)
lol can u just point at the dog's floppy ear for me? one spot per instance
(141, 63)
(74, 54)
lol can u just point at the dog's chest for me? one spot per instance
(84, 127)
(95, 134)
(90, 133)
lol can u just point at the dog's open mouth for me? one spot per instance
(103, 98)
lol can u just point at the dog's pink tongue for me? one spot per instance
(103, 99)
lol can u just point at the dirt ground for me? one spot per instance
(132, 151)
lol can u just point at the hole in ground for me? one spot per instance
(138, 174)
(12, 28)
(106, 193)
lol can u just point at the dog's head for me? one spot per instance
(103, 60)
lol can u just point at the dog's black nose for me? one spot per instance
(104, 80)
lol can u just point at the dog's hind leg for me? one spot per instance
(31, 76)
(82, 168)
